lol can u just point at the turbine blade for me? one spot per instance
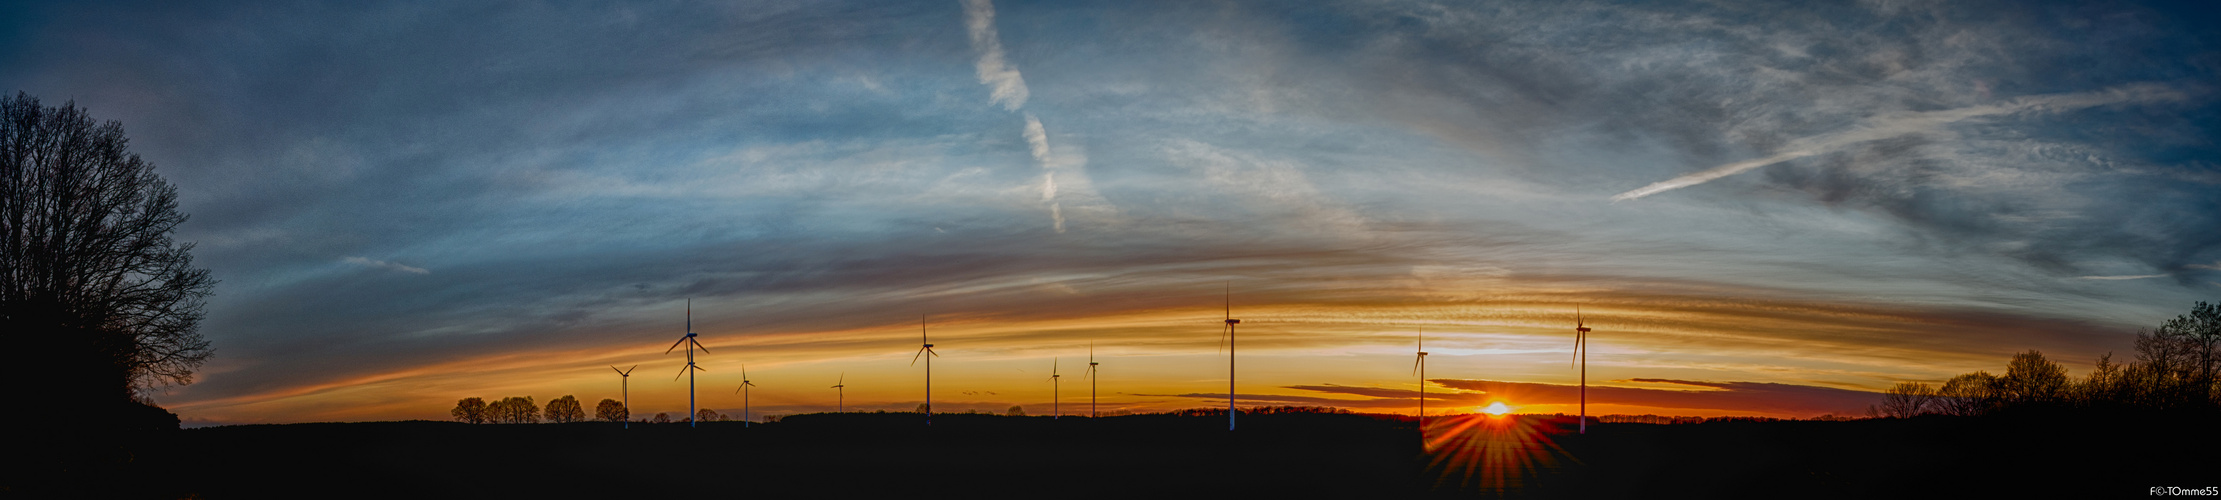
(682, 374)
(1222, 338)
(614, 369)
(935, 354)
(675, 345)
(1415, 364)
(914, 358)
(698, 344)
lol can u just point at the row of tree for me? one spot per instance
(2177, 367)
(566, 409)
(522, 410)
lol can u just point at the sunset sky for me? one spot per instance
(1762, 209)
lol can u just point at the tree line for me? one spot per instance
(2177, 367)
(522, 410)
(566, 409)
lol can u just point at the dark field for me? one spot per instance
(1151, 456)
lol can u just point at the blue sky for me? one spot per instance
(409, 203)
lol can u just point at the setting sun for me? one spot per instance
(1496, 408)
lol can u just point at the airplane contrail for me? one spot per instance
(1899, 124)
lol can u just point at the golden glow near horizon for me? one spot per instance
(1496, 408)
(1306, 353)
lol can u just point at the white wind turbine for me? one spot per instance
(1056, 391)
(743, 390)
(1227, 340)
(1091, 381)
(1581, 354)
(927, 353)
(626, 385)
(840, 394)
(688, 372)
(1419, 368)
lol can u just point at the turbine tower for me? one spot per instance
(1581, 353)
(688, 372)
(743, 390)
(924, 352)
(626, 384)
(840, 395)
(1227, 340)
(1056, 391)
(1091, 381)
(1419, 367)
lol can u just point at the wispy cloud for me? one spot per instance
(385, 265)
(1918, 122)
(1008, 86)
(2123, 277)
(1038, 139)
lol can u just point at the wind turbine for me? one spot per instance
(688, 372)
(1581, 353)
(627, 385)
(1056, 388)
(1419, 367)
(923, 352)
(1091, 381)
(743, 390)
(840, 395)
(1227, 340)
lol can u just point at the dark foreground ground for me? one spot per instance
(1157, 456)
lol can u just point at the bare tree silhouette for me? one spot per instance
(2175, 369)
(1908, 399)
(90, 278)
(2179, 359)
(470, 411)
(662, 418)
(1967, 394)
(2030, 379)
(708, 415)
(514, 410)
(611, 410)
(565, 410)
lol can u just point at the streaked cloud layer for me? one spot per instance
(411, 203)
